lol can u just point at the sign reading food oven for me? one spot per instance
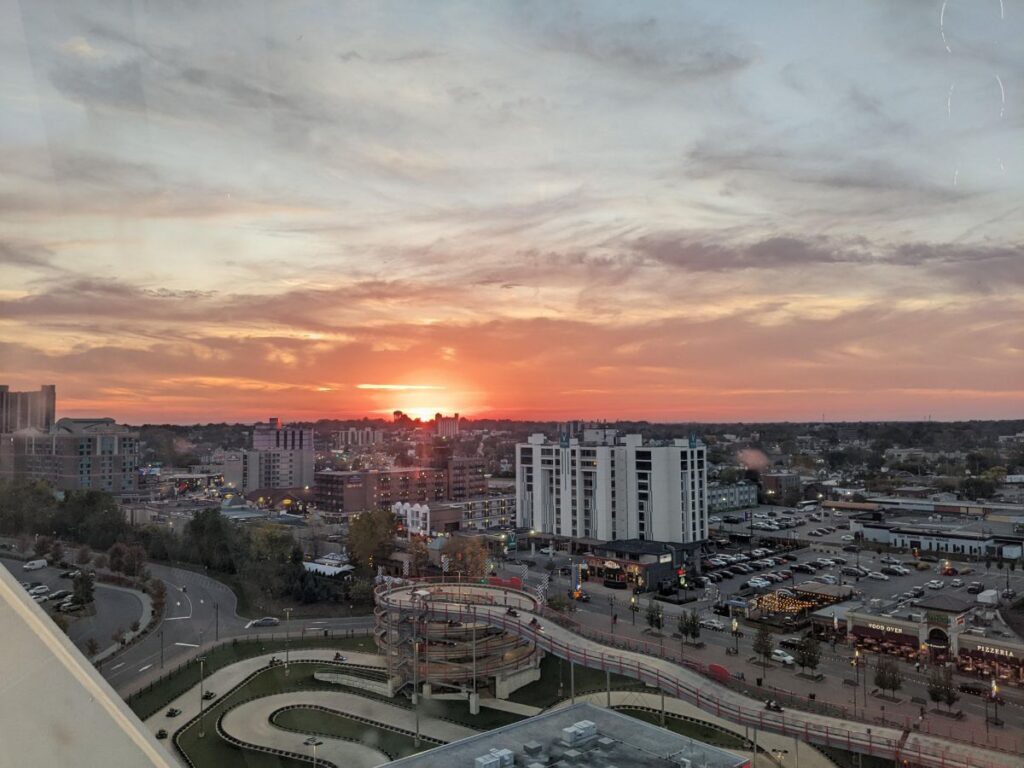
(886, 628)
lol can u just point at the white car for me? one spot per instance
(878, 576)
(956, 583)
(759, 583)
(714, 519)
(712, 623)
(782, 657)
(935, 584)
(846, 537)
(42, 589)
(547, 551)
(827, 579)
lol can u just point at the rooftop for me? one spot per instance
(581, 734)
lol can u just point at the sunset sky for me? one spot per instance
(674, 211)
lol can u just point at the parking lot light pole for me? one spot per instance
(632, 608)
(202, 664)
(736, 634)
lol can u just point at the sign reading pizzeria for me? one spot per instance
(997, 651)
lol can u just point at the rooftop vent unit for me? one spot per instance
(506, 758)
(532, 748)
(487, 761)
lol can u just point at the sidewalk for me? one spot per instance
(147, 616)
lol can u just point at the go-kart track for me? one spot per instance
(432, 601)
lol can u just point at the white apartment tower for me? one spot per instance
(610, 487)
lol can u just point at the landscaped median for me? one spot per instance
(163, 691)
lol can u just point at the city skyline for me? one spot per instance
(673, 212)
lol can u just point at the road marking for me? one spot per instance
(117, 666)
(145, 668)
(177, 618)
(188, 645)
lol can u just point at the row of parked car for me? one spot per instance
(63, 598)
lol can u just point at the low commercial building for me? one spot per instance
(725, 497)
(781, 487)
(640, 564)
(356, 491)
(581, 734)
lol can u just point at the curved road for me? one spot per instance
(199, 611)
(690, 686)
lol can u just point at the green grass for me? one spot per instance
(164, 691)
(545, 692)
(704, 733)
(331, 724)
(213, 752)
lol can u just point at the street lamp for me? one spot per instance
(202, 663)
(995, 702)
(633, 607)
(287, 626)
(313, 742)
(855, 661)
(736, 634)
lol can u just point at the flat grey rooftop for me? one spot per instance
(620, 741)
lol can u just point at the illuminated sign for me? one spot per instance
(997, 651)
(665, 559)
(886, 628)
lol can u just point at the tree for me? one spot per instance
(118, 635)
(467, 556)
(371, 537)
(764, 644)
(655, 615)
(91, 647)
(56, 551)
(808, 654)
(888, 676)
(42, 545)
(936, 686)
(100, 561)
(82, 588)
(950, 695)
(116, 557)
(62, 621)
(419, 557)
(84, 555)
(134, 626)
(694, 621)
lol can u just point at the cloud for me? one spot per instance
(80, 48)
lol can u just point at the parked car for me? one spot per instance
(878, 576)
(975, 588)
(890, 570)
(1008, 594)
(851, 548)
(917, 591)
(34, 565)
(42, 589)
(162, 733)
(712, 623)
(889, 559)
(826, 578)
(956, 583)
(173, 712)
(782, 657)
(70, 574)
(209, 695)
(266, 621)
(935, 584)
(791, 643)
(60, 594)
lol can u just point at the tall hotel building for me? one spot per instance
(608, 487)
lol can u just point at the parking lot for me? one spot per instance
(113, 608)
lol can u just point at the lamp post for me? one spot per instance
(995, 703)
(633, 607)
(736, 635)
(855, 661)
(313, 742)
(287, 626)
(202, 664)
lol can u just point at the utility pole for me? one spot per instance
(216, 620)
(416, 681)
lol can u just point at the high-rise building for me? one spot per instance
(275, 435)
(24, 410)
(282, 456)
(446, 426)
(75, 454)
(466, 477)
(613, 487)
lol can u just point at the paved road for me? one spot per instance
(115, 608)
(199, 611)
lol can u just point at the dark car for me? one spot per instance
(1008, 594)
(266, 621)
(162, 733)
(975, 588)
(976, 689)
(70, 574)
(837, 559)
(803, 568)
(209, 695)
(173, 712)
(790, 557)
(851, 548)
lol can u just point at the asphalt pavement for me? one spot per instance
(114, 608)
